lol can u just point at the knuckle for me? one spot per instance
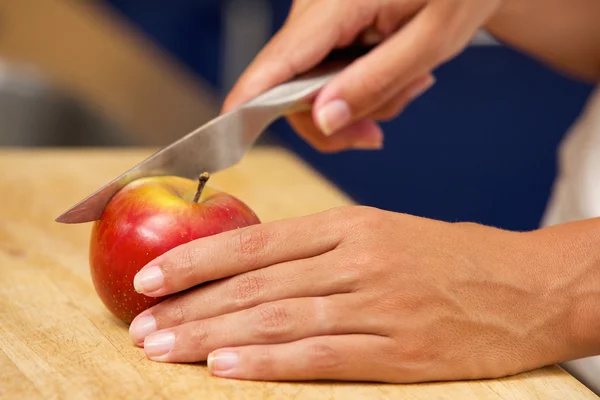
(367, 219)
(199, 335)
(357, 221)
(376, 219)
(443, 43)
(363, 227)
(413, 350)
(438, 39)
(273, 316)
(179, 312)
(363, 261)
(376, 85)
(363, 266)
(446, 50)
(358, 15)
(341, 213)
(349, 276)
(437, 46)
(324, 358)
(249, 244)
(274, 321)
(186, 262)
(247, 289)
(322, 315)
(345, 275)
(172, 311)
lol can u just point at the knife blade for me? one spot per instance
(223, 141)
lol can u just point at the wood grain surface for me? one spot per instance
(57, 341)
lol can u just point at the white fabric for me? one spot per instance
(576, 196)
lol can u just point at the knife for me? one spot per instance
(223, 141)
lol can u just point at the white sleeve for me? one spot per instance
(576, 191)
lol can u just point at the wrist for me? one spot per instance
(567, 274)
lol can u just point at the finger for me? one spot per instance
(373, 80)
(276, 322)
(319, 24)
(396, 14)
(362, 135)
(395, 106)
(234, 252)
(343, 357)
(297, 8)
(312, 277)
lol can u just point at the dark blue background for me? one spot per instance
(480, 146)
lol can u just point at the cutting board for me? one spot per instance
(57, 341)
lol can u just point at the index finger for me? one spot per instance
(234, 252)
(302, 43)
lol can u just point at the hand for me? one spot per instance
(356, 294)
(415, 37)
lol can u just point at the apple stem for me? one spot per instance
(202, 179)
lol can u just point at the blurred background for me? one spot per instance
(480, 146)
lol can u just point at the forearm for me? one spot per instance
(568, 267)
(563, 34)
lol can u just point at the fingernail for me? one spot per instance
(371, 37)
(158, 345)
(148, 280)
(222, 361)
(333, 116)
(142, 327)
(366, 145)
(420, 88)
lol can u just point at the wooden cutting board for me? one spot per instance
(57, 341)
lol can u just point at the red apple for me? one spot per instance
(144, 220)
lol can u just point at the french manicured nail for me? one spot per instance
(142, 327)
(333, 116)
(158, 345)
(420, 88)
(222, 361)
(148, 280)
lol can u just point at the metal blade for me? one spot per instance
(216, 145)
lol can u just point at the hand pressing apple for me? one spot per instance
(363, 294)
(147, 218)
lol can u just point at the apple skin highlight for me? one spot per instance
(145, 219)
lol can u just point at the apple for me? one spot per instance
(145, 219)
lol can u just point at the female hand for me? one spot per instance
(356, 293)
(415, 37)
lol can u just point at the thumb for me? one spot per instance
(375, 79)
